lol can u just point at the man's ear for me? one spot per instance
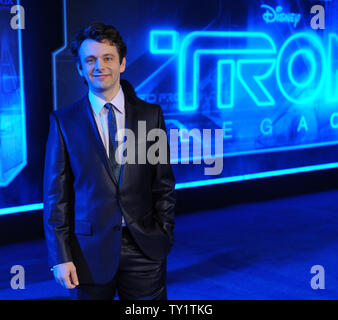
(123, 65)
(79, 68)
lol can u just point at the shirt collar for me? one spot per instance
(98, 103)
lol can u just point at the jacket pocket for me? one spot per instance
(83, 227)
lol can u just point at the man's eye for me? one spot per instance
(90, 60)
(109, 59)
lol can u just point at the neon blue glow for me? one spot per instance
(22, 102)
(313, 68)
(13, 139)
(26, 208)
(268, 99)
(157, 71)
(168, 37)
(332, 95)
(200, 183)
(154, 74)
(236, 85)
(316, 85)
(221, 83)
(253, 74)
(188, 69)
(188, 72)
(259, 175)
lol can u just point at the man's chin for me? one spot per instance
(101, 88)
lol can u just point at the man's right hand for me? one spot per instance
(65, 274)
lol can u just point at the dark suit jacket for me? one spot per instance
(83, 202)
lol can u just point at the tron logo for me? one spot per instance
(227, 45)
(251, 59)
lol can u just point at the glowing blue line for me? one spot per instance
(144, 82)
(258, 79)
(23, 163)
(220, 82)
(183, 105)
(252, 176)
(200, 183)
(55, 53)
(22, 94)
(30, 207)
(332, 95)
(196, 69)
(167, 62)
(167, 33)
(196, 80)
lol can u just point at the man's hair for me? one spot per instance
(100, 32)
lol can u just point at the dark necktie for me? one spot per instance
(113, 144)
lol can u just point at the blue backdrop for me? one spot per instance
(255, 69)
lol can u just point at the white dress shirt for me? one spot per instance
(101, 119)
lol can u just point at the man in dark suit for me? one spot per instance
(108, 223)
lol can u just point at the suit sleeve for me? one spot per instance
(57, 196)
(163, 189)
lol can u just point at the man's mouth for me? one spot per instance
(101, 76)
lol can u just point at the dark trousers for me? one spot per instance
(137, 278)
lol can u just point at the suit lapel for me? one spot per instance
(98, 141)
(131, 124)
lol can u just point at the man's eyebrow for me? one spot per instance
(91, 56)
(105, 55)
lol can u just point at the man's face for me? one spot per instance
(100, 65)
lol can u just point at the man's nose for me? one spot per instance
(99, 65)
